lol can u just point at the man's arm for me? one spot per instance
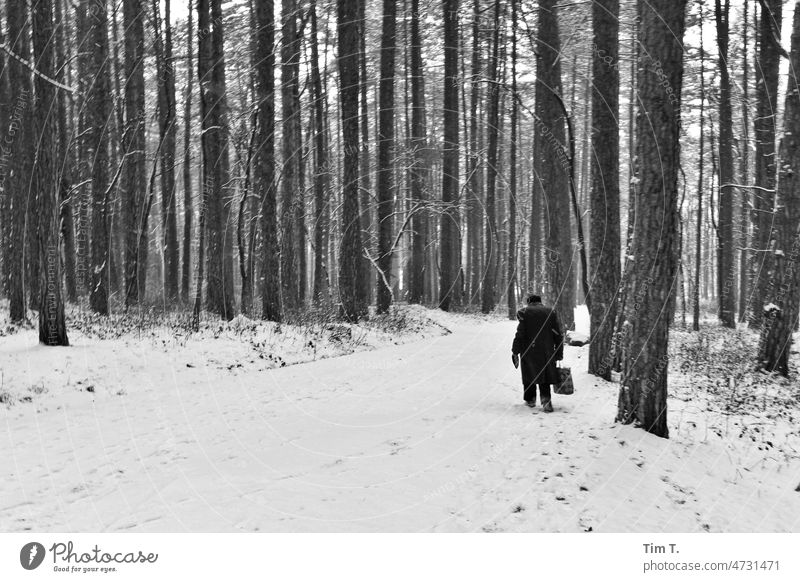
(519, 344)
(558, 337)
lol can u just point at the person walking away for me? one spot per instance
(538, 345)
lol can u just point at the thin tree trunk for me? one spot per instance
(52, 325)
(186, 264)
(385, 170)
(18, 152)
(512, 195)
(727, 272)
(99, 112)
(700, 167)
(450, 245)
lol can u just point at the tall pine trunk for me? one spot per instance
(352, 293)
(214, 140)
(511, 293)
(52, 325)
(727, 271)
(700, 187)
(292, 151)
(99, 112)
(168, 134)
(474, 209)
(18, 153)
(321, 170)
(271, 308)
(781, 315)
(186, 262)
(765, 163)
(643, 394)
(551, 165)
(492, 122)
(419, 170)
(133, 186)
(605, 223)
(385, 172)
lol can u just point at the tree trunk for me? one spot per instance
(165, 72)
(511, 293)
(271, 306)
(292, 139)
(551, 164)
(134, 222)
(781, 315)
(186, 264)
(419, 171)
(492, 123)
(351, 291)
(52, 326)
(385, 171)
(98, 110)
(727, 270)
(605, 224)
(321, 171)
(700, 167)
(744, 221)
(365, 190)
(643, 394)
(65, 171)
(474, 208)
(765, 163)
(450, 244)
(17, 154)
(214, 140)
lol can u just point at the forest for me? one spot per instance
(217, 159)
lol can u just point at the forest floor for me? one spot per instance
(417, 425)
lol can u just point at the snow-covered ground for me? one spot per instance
(208, 432)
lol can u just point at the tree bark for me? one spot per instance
(165, 72)
(781, 315)
(551, 165)
(727, 272)
(52, 325)
(186, 263)
(765, 126)
(419, 171)
(99, 112)
(134, 222)
(605, 222)
(15, 158)
(385, 171)
(291, 142)
(511, 292)
(449, 239)
(214, 140)
(492, 122)
(351, 264)
(643, 394)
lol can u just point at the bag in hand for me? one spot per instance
(564, 385)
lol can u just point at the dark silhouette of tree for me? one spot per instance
(605, 224)
(643, 394)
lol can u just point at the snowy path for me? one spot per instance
(350, 444)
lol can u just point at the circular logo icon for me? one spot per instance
(31, 555)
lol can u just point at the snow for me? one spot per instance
(200, 433)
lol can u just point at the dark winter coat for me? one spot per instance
(539, 343)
